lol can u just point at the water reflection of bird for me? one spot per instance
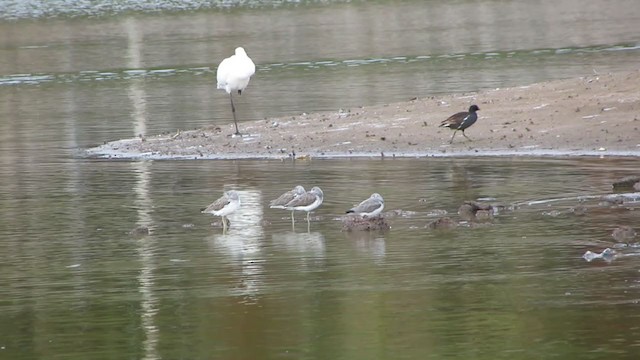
(461, 121)
(285, 198)
(308, 201)
(225, 205)
(233, 75)
(370, 207)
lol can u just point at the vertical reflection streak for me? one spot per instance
(242, 245)
(143, 202)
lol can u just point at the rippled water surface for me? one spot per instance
(78, 281)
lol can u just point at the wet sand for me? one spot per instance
(591, 115)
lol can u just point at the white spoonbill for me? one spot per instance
(234, 74)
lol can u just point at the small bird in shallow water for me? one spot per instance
(285, 198)
(233, 75)
(370, 207)
(227, 204)
(308, 202)
(461, 121)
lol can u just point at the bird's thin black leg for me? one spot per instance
(468, 138)
(233, 110)
(454, 134)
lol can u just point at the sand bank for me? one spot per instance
(589, 116)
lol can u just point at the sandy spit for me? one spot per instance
(594, 115)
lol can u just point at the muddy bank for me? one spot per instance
(592, 115)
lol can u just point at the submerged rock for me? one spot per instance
(475, 211)
(623, 233)
(443, 223)
(626, 183)
(140, 231)
(358, 223)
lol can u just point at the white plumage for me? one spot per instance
(308, 201)
(234, 74)
(370, 207)
(224, 206)
(285, 198)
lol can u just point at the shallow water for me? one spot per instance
(76, 284)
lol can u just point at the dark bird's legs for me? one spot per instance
(233, 110)
(454, 134)
(468, 138)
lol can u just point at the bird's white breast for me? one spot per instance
(234, 72)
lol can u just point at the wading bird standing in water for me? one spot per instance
(308, 202)
(461, 121)
(227, 204)
(285, 198)
(233, 75)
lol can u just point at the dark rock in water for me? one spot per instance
(636, 186)
(470, 209)
(626, 183)
(140, 231)
(443, 223)
(358, 223)
(623, 233)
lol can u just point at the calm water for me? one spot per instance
(76, 285)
